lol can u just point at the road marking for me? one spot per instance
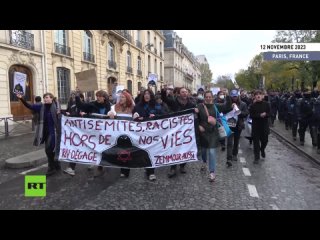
(34, 169)
(246, 172)
(274, 207)
(252, 190)
(242, 160)
(240, 151)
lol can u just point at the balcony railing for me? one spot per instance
(139, 72)
(155, 50)
(22, 39)
(129, 69)
(112, 64)
(88, 57)
(139, 44)
(62, 49)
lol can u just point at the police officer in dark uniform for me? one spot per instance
(306, 117)
(294, 104)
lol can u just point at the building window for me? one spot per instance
(61, 42)
(139, 86)
(111, 56)
(149, 64)
(129, 59)
(88, 47)
(138, 41)
(129, 66)
(160, 69)
(149, 39)
(139, 70)
(155, 45)
(129, 86)
(87, 42)
(63, 80)
(155, 66)
(61, 37)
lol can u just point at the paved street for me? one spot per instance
(284, 180)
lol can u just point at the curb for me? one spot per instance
(315, 160)
(31, 159)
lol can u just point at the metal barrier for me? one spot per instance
(11, 124)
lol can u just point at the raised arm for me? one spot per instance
(33, 107)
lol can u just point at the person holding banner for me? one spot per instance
(100, 107)
(209, 136)
(48, 129)
(146, 109)
(180, 103)
(73, 111)
(123, 110)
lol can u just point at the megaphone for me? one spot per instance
(237, 111)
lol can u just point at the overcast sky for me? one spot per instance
(227, 51)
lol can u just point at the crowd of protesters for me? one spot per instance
(293, 109)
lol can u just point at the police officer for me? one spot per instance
(306, 117)
(294, 108)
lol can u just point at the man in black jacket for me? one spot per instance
(100, 106)
(180, 103)
(259, 112)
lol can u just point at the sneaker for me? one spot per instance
(70, 171)
(152, 177)
(212, 177)
(263, 154)
(172, 173)
(229, 164)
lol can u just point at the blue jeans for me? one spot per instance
(212, 158)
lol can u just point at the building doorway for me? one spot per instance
(18, 110)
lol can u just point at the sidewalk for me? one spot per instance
(308, 150)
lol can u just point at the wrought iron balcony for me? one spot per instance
(155, 50)
(21, 38)
(139, 44)
(129, 69)
(112, 64)
(62, 49)
(88, 57)
(139, 72)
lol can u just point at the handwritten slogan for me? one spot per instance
(126, 143)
